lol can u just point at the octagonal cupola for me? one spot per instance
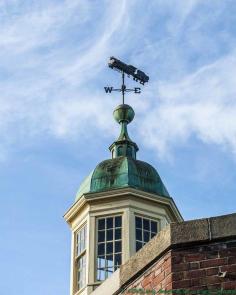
(123, 169)
(119, 207)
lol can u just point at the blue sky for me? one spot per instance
(56, 121)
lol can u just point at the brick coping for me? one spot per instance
(177, 235)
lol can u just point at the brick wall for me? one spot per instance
(192, 267)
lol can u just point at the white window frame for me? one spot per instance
(113, 241)
(150, 218)
(80, 256)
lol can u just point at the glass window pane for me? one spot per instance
(101, 262)
(80, 240)
(138, 222)
(101, 275)
(146, 224)
(82, 234)
(109, 272)
(109, 248)
(117, 246)
(139, 245)
(101, 249)
(117, 259)
(118, 221)
(153, 235)
(139, 234)
(85, 235)
(109, 260)
(80, 264)
(78, 237)
(78, 249)
(110, 235)
(118, 234)
(101, 224)
(154, 226)
(109, 231)
(101, 236)
(109, 222)
(81, 245)
(81, 270)
(146, 236)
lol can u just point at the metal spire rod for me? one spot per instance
(123, 87)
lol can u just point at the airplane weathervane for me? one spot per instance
(129, 70)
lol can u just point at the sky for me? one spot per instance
(56, 120)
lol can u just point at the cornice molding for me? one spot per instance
(91, 197)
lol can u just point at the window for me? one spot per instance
(119, 151)
(145, 229)
(129, 151)
(109, 246)
(80, 257)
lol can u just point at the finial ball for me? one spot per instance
(123, 113)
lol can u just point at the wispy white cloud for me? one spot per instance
(54, 53)
(34, 25)
(202, 104)
(41, 82)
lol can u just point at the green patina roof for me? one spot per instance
(123, 172)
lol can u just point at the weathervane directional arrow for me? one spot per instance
(129, 70)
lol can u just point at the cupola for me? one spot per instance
(119, 207)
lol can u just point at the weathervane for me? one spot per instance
(129, 70)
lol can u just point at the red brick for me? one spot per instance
(177, 259)
(227, 252)
(232, 260)
(148, 287)
(168, 287)
(196, 282)
(194, 257)
(192, 269)
(193, 265)
(158, 279)
(214, 287)
(230, 268)
(148, 272)
(166, 281)
(199, 288)
(181, 284)
(214, 280)
(159, 263)
(229, 285)
(157, 287)
(180, 267)
(166, 263)
(213, 262)
(195, 274)
(169, 254)
(167, 271)
(157, 272)
(147, 280)
(212, 271)
(176, 276)
(212, 254)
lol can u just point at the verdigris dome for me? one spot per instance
(123, 172)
